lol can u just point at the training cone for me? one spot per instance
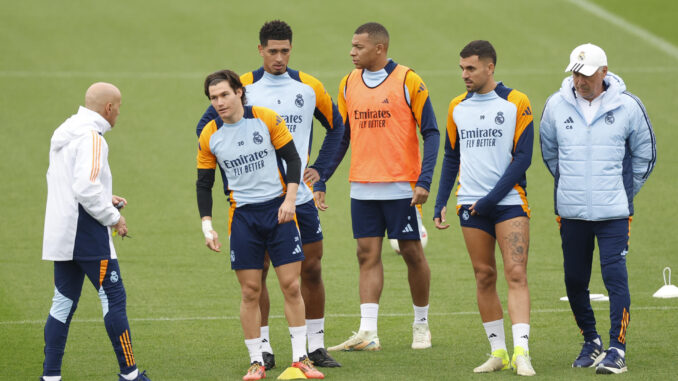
(292, 373)
(667, 290)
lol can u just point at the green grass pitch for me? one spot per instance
(183, 299)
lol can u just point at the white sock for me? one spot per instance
(369, 312)
(621, 351)
(495, 334)
(521, 335)
(298, 337)
(131, 375)
(315, 330)
(51, 378)
(420, 314)
(265, 340)
(254, 348)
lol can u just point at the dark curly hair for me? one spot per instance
(275, 30)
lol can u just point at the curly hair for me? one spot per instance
(275, 30)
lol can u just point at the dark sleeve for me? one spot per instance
(332, 141)
(203, 189)
(448, 175)
(431, 135)
(209, 115)
(336, 160)
(289, 153)
(522, 158)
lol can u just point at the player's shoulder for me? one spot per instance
(458, 99)
(252, 76)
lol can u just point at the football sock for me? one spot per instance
(368, 316)
(298, 337)
(420, 314)
(51, 378)
(254, 348)
(316, 333)
(495, 334)
(521, 335)
(131, 375)
(265, 340)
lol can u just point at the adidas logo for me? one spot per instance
(320, 230)
(568, 123)
(569, 120)
(492, 335)
(322, 331)
(423, 319)
(297, 250)
(264, 341)
(526, 337)
(408, 229)
(385, 100)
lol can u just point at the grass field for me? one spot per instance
(183, 300)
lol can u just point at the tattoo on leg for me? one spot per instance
(517, 246)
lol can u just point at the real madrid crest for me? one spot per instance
(257, 138)
(609, 117)
(114, 277)
(499, 119)
(582, 55)
(299, 101)
(464, 215)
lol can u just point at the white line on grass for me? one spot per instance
(397, 314)
(644, 34)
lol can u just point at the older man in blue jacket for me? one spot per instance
(597, 142)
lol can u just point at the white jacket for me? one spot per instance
(80, 211)
(599, 166)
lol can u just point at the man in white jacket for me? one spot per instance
(597, 141)
(81, 215)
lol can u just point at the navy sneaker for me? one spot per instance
(613, 363)
(141, 377)
(591, 354)
(269, 360)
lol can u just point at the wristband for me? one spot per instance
(207, 229)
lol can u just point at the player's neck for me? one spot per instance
(488, 87)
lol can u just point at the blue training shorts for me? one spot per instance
(499, 214)
(371, 218)
(309, 223)
(255, 230)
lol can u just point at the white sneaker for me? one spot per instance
(421, 336)
(499, 360)
(521, 362)
(361, 341)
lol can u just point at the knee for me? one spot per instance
(311, 270)
(516, 276)
(250, 292)
(486, 277)
(291, 289)
(412, 253)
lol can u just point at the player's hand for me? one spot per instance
(121, 226)
(441, 223)
(117, 200)
(213, 243)
(419, 196)
(320, 200)
(311, 176)
(473, 211)
(286, 211)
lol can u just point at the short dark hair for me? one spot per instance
(480, 48)
(225, 75)
(274, 30)
(375, 31)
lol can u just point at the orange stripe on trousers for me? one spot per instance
(103, 267)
